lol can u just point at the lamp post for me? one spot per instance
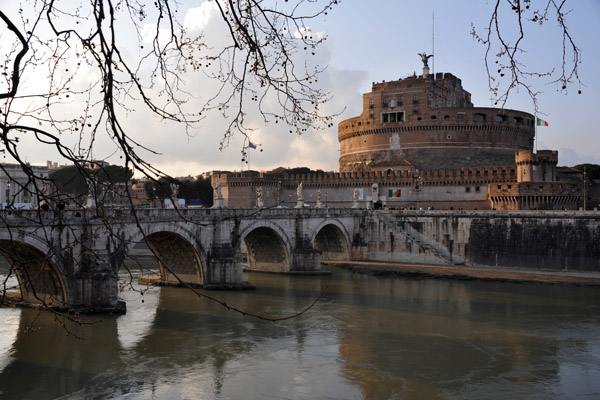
(584, 190)
(417, 185)
(7, 193)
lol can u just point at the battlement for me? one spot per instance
(465, 175)
(400, 83)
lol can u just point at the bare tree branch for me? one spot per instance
(505, 48)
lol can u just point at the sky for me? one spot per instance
(369, 44)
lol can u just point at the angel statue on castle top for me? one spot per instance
(425, 58)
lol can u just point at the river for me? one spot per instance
(367, 338)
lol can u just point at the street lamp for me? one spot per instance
(7, 193)
(584, 189)
(417, 185)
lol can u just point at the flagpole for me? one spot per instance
(536, 136)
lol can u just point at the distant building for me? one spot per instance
(17, 189)
(420, 143)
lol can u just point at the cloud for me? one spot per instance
(183, 154)
(569, 157)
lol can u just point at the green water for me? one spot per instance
(368, 338)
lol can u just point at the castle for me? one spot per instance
(420, 143)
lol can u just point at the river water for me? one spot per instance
(367, 338)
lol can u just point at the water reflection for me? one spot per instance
(368, 338)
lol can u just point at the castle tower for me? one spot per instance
(536, 167)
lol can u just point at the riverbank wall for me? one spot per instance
(533, 240)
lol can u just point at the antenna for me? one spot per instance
(433, 43)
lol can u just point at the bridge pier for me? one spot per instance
(225, 273)
(96, 292)
(306, 259)
(93, 279)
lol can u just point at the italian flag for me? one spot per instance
(541, 122)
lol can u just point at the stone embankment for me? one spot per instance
(571, 278)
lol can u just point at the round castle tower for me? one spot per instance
(429, 122)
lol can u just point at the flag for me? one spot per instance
(394, 193)
(541, 122)
(251, 145)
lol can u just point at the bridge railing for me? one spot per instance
(116, 215)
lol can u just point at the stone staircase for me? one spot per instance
(423, 242)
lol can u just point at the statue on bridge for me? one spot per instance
(300, 196)
(259, 200)
(355, 203)
(299, 192)
(217, 196)
(319, 204)
(174, 190)
(90, 201)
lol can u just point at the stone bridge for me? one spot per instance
(71, 259)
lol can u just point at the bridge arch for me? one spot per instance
(332, 239)
(40, 279)
(178, 251)
(268, 247)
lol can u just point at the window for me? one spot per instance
(416, 99)
(433, 117)
(400, 101)
(500, 118)
(478, 117)
(385, 103)
(371, 103)
(415, 109)
(392, 117)
(446, 117)
(518, 120)
(468, 189)
(477, 188)
(460, 116)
